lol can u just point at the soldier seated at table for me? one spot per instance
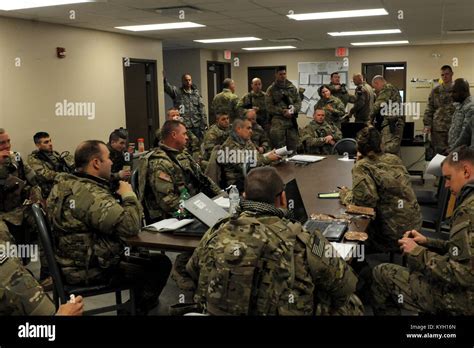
(319, 136)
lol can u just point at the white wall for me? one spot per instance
(91, 72)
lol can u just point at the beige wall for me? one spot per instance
(91, 72)
(420, 64)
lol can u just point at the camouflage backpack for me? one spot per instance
(251, 269)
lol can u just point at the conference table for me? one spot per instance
(320, 177)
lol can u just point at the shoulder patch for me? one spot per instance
(164, 176)
(3, 256)
(318, 246)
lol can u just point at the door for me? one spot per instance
(217, 72)
(264, 73)
(141, 102)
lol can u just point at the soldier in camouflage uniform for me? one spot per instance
(193, 146)
(440, 275)
(381, 181)
(19, 188)
(120, 158)
(319, 136)
(47, 163)
(163, 173)
(385, 115)
(259, 262)
(239, 154)
(215, 135)
(463, 114)
(188, 100)
(20, 293)
(363, 100)
(259, 136)
(226, 101)
(439, 112)
(255, 100)
(332, 106)
(90, 222)
(283, 105)
(339, 90)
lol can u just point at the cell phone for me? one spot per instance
(328, 195)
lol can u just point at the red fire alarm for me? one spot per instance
(61, 52)
(342, 52)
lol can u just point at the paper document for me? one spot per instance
(223, 202)
(304, 78)
(344, 249)
(306, 158)
(434, 167)
(282, 151)
(168, 225)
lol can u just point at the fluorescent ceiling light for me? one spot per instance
(10, 5)
(163, 26)
(375, 43)
(229, 39)
(268, 48)
(395, 68)
(338, 14)
(365, 32)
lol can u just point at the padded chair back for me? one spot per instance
(346, 145)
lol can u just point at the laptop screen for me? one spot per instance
(295, 202)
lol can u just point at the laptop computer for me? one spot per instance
(332, 230)
(207, 212)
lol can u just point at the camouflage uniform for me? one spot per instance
(90, 226)
(363, 102)
(440, 275)
(252, 99)
(190, 106)
(119, 160)
(193, 145)
(226, 103)
(235, 152)
(48, 165)
(20, 293)
(438, 116)
(342, 94)
(336, 114)
(292, 274)
(168, 172)
(390, 125)
(283, 131)
(215, 135)
(382, 182)
(462, 116)
(259, 137)
(313, 134)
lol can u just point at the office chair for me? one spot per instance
(346, 145)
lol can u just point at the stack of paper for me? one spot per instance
(306, 158)
(168, 225)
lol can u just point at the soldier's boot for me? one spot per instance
(179, 274)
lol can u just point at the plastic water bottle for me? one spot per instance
(183, 196)
(234, 199)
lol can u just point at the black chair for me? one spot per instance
(134, 181)
(61, 291)
(346, 145)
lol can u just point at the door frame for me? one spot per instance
(227, 69)
(253, 68)
(385, 64)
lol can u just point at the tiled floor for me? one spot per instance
(172, 294)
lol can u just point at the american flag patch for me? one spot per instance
(318, 246)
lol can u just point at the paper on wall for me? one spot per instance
(304, 78)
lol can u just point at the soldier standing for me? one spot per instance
(439, 112)
(440, 277)
(319, 136)
(255, 100)
(226, 101)
(283, 105)
(463, 113)
(387, 115)
(188, 100)
(363, 100)
(339, 90)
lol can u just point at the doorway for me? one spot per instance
(264, 73)
(141, 102)
(394, 73)
(217, 72)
